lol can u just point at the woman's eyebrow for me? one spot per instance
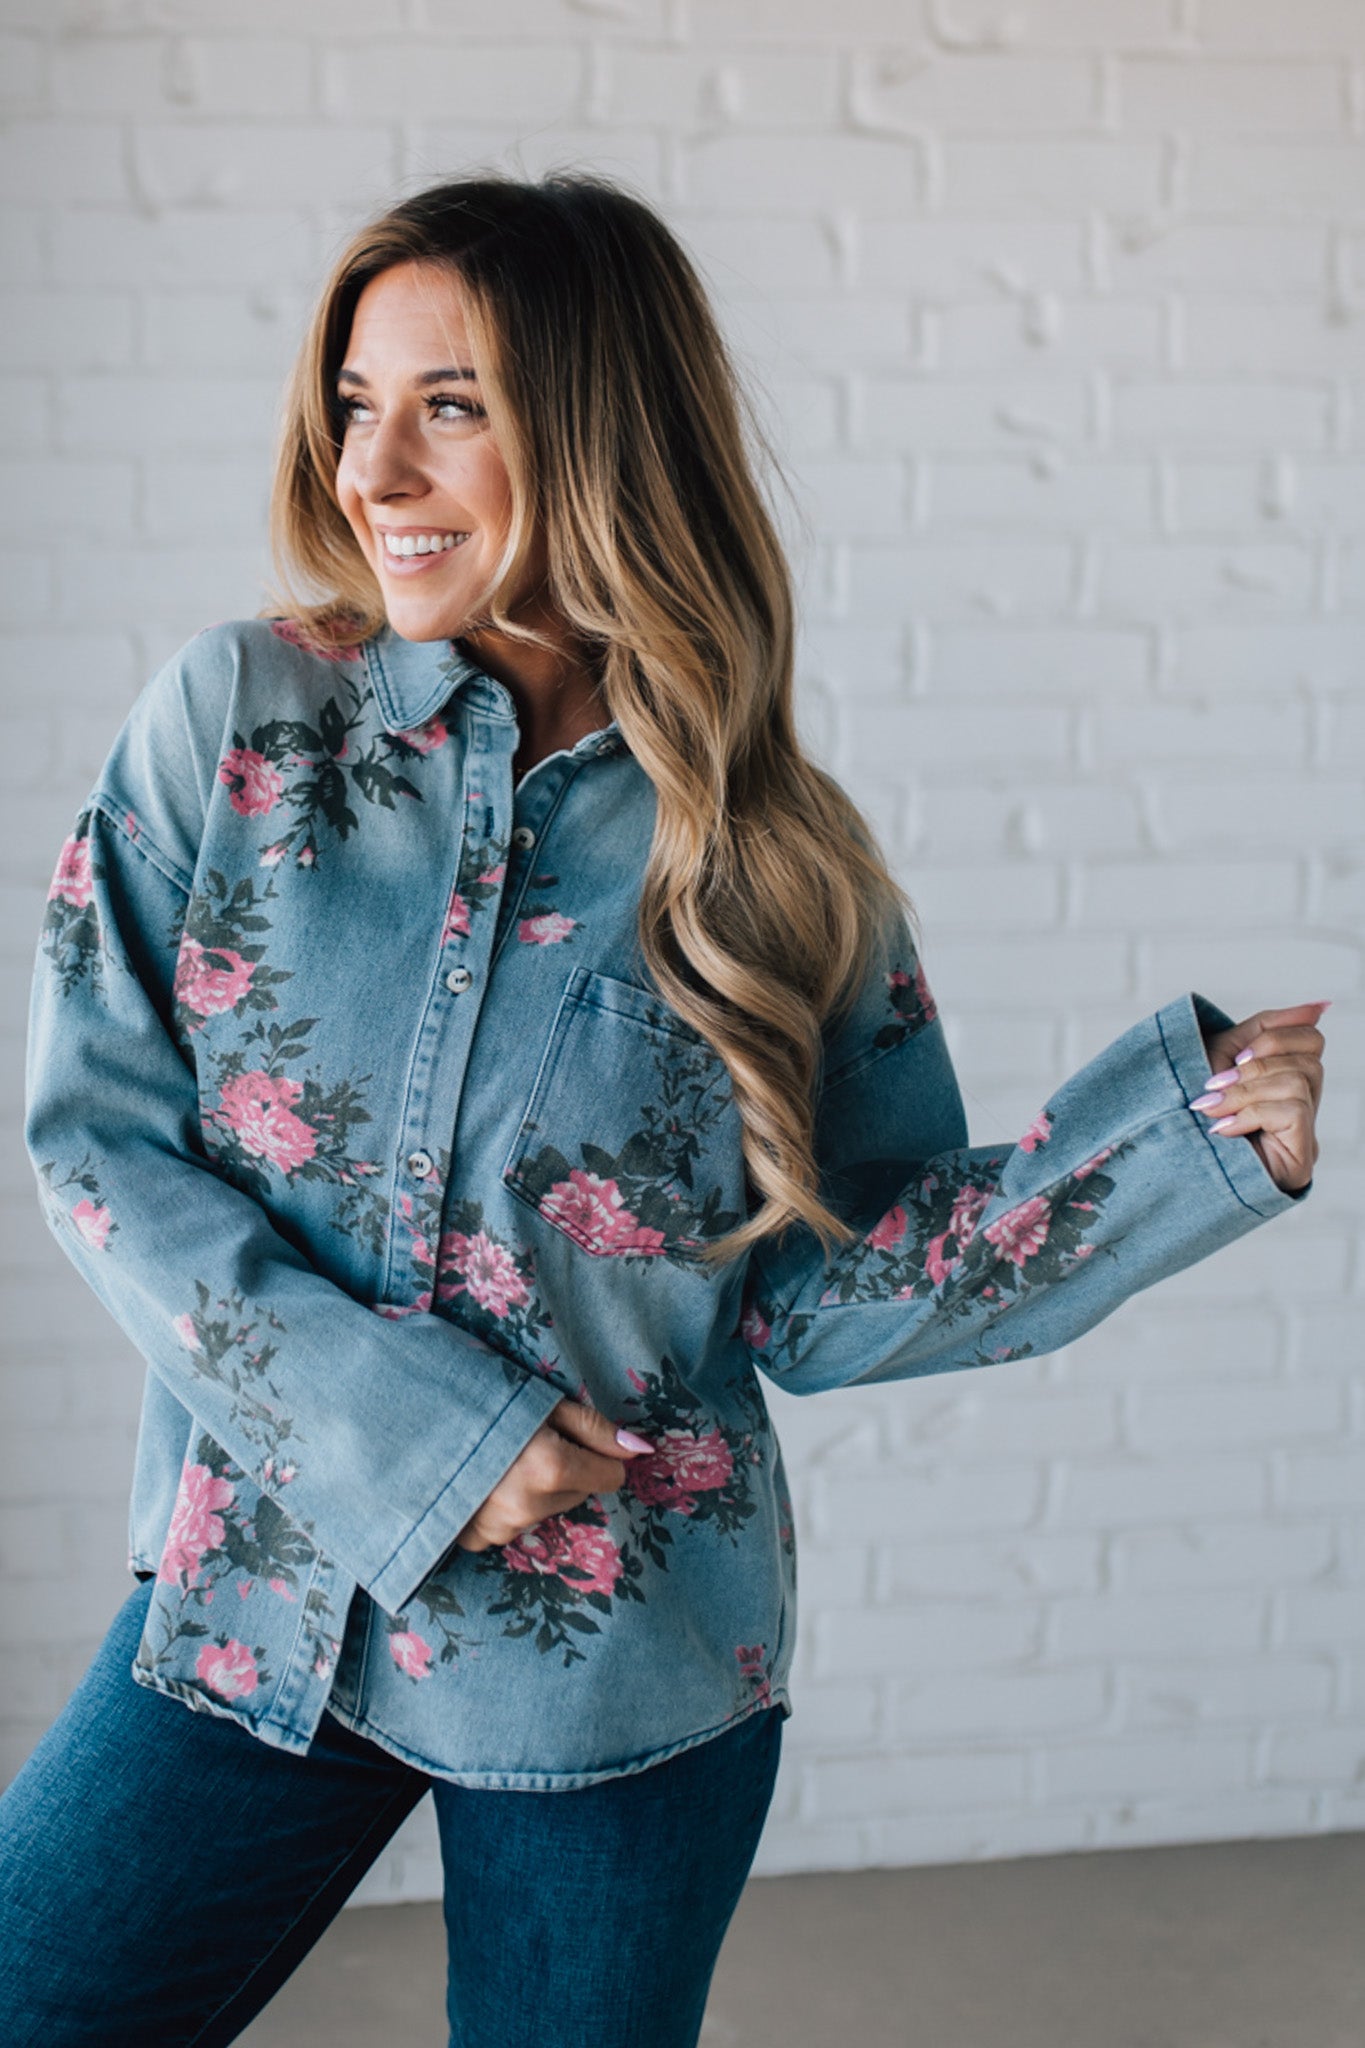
(345, 376)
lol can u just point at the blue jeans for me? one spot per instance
(162, 1872)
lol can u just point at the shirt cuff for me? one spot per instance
(497, 1450)
(1182, 1025)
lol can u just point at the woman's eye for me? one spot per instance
(352, 409)
(444, 405)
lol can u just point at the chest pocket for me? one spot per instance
(630, 1144)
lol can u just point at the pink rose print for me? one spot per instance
(256, 784)
(679, 1468)
(92, 1223)
(545, 930)
(186, 1332)
(410, 1653)
(1020, 1232)
(749, 1657)
(427, 738)
(292, 631)
(494, 875)
(196, 1525)
(1038, 1132)
(753, 1329)
(257, 1108)
(1093, 1165)
(967, 1214)
(887, 1234)
(457, 919)
(581, 1553)
(935, 1264)
(592, 1212)
(72, 879)
(898, 978)
(206, 989)
(229, 1669)
(487, 1272)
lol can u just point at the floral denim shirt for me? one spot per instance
(350, 1097)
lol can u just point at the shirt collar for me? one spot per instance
(412, 679)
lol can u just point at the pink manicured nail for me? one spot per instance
(1245, 1055)
(1226, 1124)
(1224, 1080)
(1208, 1102)
(630, 1442)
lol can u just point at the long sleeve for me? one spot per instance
(969, 1255)
(378, 1436)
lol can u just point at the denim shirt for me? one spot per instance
(351, 1098)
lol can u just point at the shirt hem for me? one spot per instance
(552, 1781)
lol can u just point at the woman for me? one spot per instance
(468, 1040)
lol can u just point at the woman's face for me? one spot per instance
(420, 478)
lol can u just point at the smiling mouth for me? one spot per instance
(399, 546)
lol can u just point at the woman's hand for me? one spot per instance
(574, 1454)
(1266, 1085)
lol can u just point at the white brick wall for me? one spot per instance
(1058, 313)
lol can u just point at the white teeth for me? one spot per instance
(421, 543)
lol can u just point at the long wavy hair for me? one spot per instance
(628, 441)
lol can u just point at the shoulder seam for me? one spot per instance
(148, 848)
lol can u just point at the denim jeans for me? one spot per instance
(162, 1872)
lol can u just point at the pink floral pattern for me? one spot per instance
(258, 1109)
(591, 1211)
(580, 1552)
(888, 1232)
(486, 1270)
(680, 1467)
(912, 1004)
(1022, 1232)
(72, 881)
(425, 739)
(93, 1224)
(196, 1524)
(209, 983)
(968, 1204)
(292, 631)
(254, 783)
(410, 1653)
(1038, 1132)
(229, 1669)
(546, 928)
(457, 919)
(753, 1671)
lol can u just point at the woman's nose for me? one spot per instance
(389, 464)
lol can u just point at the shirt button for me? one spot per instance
(420, 1164)
(523, 836)
(458, 980)
(606, 746)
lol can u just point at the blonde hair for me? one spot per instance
(623, 427)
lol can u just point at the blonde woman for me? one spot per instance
(470, 1044)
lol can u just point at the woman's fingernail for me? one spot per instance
(630, 1442)
(1208, 1102)
(1224, 1080)
(1226, 1124)
(1244, 1056)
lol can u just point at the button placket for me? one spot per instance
(437, 1079)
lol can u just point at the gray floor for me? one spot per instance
(1232, 1945)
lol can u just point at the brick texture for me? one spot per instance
(1054, 311)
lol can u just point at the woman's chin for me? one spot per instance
(414, 618)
